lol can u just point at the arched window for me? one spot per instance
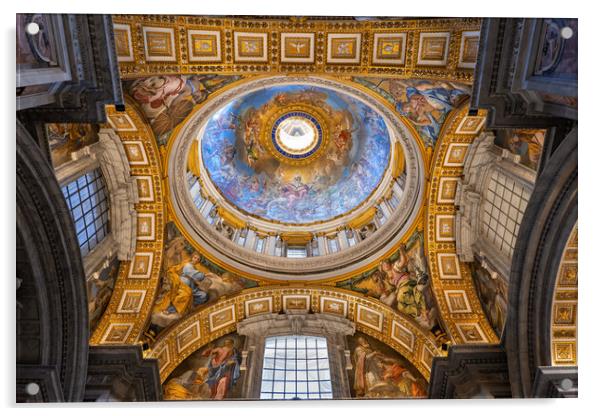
(296, 356)
(296, 367)
(87, 199)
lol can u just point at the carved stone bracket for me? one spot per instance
(470, 371)
(556, 382)
(121, 374)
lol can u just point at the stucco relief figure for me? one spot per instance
(211, 373)
(382, 374)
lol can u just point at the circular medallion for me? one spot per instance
(297, 135)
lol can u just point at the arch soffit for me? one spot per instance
(459, 305)
(369, 316)
(133, 296)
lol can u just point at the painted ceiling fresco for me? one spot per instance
(166, 100)
(188, 281)
(379, 372)
(402, 281)
(241, 152)
(65, 138)
(211, 373)
(425, 103)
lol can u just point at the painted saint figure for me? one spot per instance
(184, 287)
(380, 375)
(224, 369)
(361, 356)
(191, 277)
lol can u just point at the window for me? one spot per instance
(380, 215)
(505, 203)
(315, 248)
(87, 199)
(259, 243)
(296, 367)
(195, 190)
(296, 252)
(242, 237)
(278, 247)
(394, 202)
(333, 244)
(350, 237)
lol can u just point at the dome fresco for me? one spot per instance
(295, 154)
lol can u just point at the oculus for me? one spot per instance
(296, 135)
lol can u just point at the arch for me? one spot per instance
(453, 286)
(369, 315)
(52, 293)
(547, 224)
(126, 316)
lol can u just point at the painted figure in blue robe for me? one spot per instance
(427, 107)
(190, 276)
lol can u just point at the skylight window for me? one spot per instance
(296, 252)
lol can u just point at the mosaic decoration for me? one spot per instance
(188, 280)
(379, 372)
(211, 373)
(402, 282)
(166, 100)
(425, 103)
(338, 150)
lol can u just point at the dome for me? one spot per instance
(295, 154)
(295, 177)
